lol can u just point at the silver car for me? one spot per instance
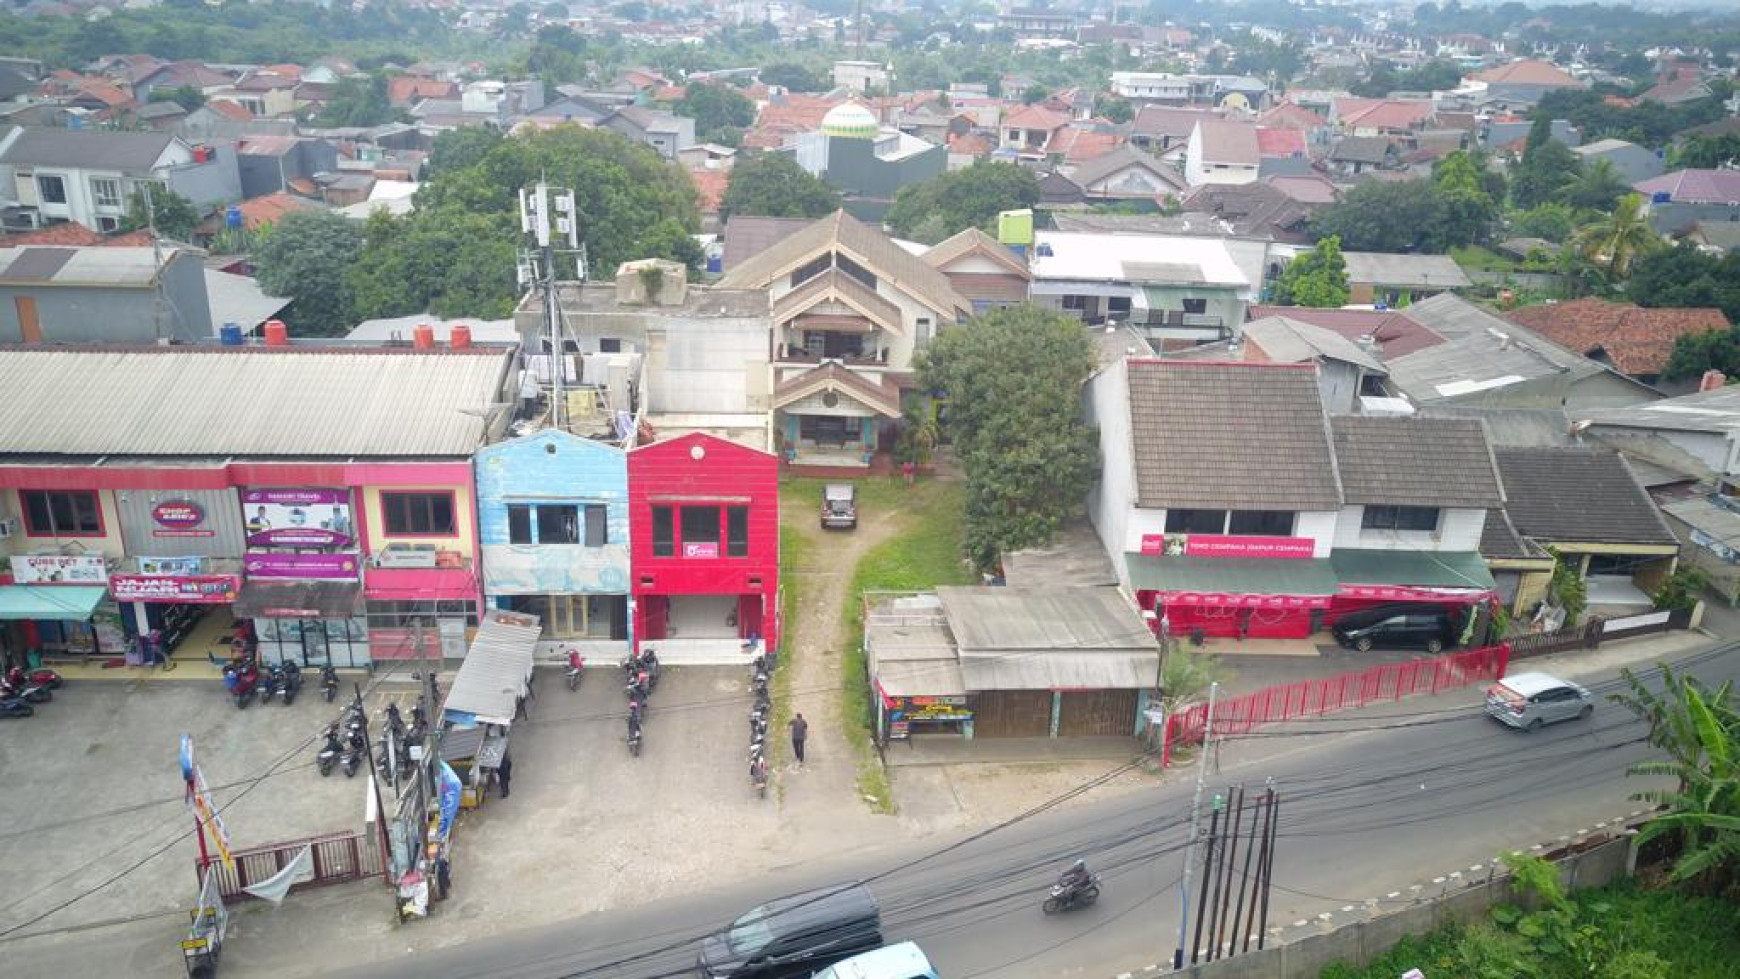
(1529, 700)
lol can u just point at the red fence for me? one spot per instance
(337, 858)
(1386, 681)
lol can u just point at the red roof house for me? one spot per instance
(1635, 340)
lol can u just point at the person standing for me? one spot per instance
(800, 730)
(505, 772)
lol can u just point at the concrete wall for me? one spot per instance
(1677, 216)
(96, 314)
(1458, 530)
(1106, 403)
(1362, 942)
(212, 184)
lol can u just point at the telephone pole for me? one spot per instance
(1195, 825)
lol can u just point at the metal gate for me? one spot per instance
(1097, 713)
(1012, 714)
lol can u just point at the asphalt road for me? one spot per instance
(1371, 801)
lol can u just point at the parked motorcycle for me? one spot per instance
(576, 669)
(634, 733)
(395, 720)
(1069, 895)
(639, 684)
(352, 756)
(29, 693)
(269, 683)
(329, 753)
(40, 677)
(329, 682)
(758, 771)
(15, 707)
(291, 683)
(241, 676)
(637, 704)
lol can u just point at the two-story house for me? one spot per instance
(86, 176)
(1171, 288)
(850, 308)
(1222, 152)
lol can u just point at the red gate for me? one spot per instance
(337, 858)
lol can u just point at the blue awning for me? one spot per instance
(72, 603)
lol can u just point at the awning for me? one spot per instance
(299, 600)
(920, 678)
(496, 672)
(1409, 574)
(1236, 582)
(1065, 669)
(67, 603)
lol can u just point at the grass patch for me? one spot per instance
(1476, 258)
(795, 552)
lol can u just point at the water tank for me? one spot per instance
(277, 334)
(230, 335)
(459, 338)
(233, 216)
(423, 337)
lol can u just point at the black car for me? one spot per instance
(793, 937)
(1413, 626)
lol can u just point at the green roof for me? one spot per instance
(69, 603)
(1230, 576)
(1420, 569)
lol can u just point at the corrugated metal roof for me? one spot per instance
(1050, 671)
(119, 266)
(1072, 620)
(246, 401)
(496, 672)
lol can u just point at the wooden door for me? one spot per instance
(1012, 714)
(29, 327)
(1097, 713)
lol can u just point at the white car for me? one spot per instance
(1530, 700)
(902, 961)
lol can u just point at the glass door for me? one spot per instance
(314, 648)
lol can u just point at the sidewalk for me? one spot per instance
(920, 752)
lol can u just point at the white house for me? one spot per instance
(1222, 152)
(85, 176)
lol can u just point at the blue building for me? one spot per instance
(553, 520)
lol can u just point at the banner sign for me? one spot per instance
(708, 548)
(212, 589)
(179, 518)
(205, 815)
(331, 566)
(1412, 593)
(60, 569)
(172, 565)
(450, 790)
(929, 709)
(298, 518)
(1220, 600)
(1228, 546)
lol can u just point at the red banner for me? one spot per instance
(199, 589)
(1221, 600)
(1229, 546)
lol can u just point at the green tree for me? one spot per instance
(305, 256)
(1013, 378)
(1701, 152)
(1597, 187)
(720, 112)
(1113, 109)
(186, 96)
(457, 149)
(1546, 168)
(1681, 590)
(773, 185)
(1035, 93)
(173, 215)
(1695, 353)
(1553, 222)
(1381, 216)
(358, 102)
(448, 263)
(793, 77)
(1687, 276)
(967, 198)
(1616, 240)
(1567, 588)
(1467, 209)
(1316, 278)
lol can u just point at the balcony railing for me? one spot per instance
(798, 355)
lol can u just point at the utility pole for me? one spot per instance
(375, 785)
(157, 298)
(537, 220)
(1195, 825)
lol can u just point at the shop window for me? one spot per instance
(736, 531)
(61, 513)
(419, 514)
(1195, 521)
(1418, 518)
(520, 525)
(1262, 523)
(558, 524)
(597, 525)
(664, 537)
(609, 345)
(701, 525)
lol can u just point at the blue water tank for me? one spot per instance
(715, 264)
(230, 335)
(233, 216)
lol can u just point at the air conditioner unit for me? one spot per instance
(8, 527)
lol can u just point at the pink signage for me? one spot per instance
(201, 589)
(707, 548)
(337, 566)
(179, 518)
(1219, 600)
(1403, 593)
(1228, 546)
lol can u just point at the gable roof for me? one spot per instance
(1528, 72)
(1280, 142)
(1361, 149)
(1437, 462)
(1160, 120)
(1236, 436)
(874, 249)
(1079, 144)
(748, 235)
(1305, 190)
(1290, 341)
(1634, 339)
(1122, 158)
(1425, 271)
(87, 149)
(1396, 334)
(1036, 117)
(791, 115)
(1228, 142)
(1287, 115)
(1578, 493)
(1390, 114)
(973, 241)
(1694, 186)
(1481, 352)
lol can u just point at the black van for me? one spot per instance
(1427, 627)
(795, 936)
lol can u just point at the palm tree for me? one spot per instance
(1616, 240)
(1598, 186)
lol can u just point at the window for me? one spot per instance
(558, 524)
(1262, 523)
(1075, 302)
(1196, 306)
(855, 270)
(736, 531)
(806, 272)
(51, 189)
(701, 525)
(610, 345)
(1399, 518)
(105, 192)
(1195, 521)
(519, 525)
(597, 525)
(664, 536)
(61, 513)
(417, 514)
(1118, 305)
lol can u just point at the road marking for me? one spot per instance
(1564, 839)
(1580, 832)
(1636, 812)
(1126, 975)
(1348, 908)
(1395, 894)
(1437, 880)
(1477, 868)
(1301, 923)
(1414, 887)
(1455, 875)
(1537, 846)
(1324, 916)
(1601, 825)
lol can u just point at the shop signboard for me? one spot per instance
(60, 569)
(171, 565)
(342, 566)
(930, 708)
(1412, 593)
(1229, 546)
(211, 589)
(298, 518)
(701, 549)
(1223, 600)
(179, 518)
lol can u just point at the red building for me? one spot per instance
(704, 531)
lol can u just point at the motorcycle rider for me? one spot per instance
(1075, 878)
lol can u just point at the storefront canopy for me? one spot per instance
(1061, 669)
(1359, 570)
(71, 603)
(496, 672)
(1310, 583)
(299, 600)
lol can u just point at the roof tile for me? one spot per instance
(1436, 462)
(1636, 340)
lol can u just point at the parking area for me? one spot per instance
(92, 786)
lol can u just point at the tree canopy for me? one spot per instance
(721, 112)
(959, 199)
(358, 102)
(1405, 216)
(793, 77)
(173, 215)
(1316, 278)
(1687, 276)
(1013, 378)
(306, 256)
(773, 185)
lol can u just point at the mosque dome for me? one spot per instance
(850, 120)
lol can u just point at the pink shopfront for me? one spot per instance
(1225, 585)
